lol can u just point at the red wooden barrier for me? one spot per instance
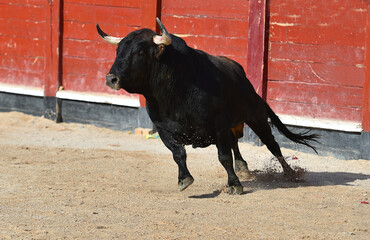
(23, 41)
(86, 58)
(316, 58)
(318, 51)
(53, 49)
(256, 68)
(217, 27)
(366, 97)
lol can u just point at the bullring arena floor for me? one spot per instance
(77, 181)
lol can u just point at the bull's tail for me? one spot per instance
(301, 138)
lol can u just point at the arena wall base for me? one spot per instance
(340, 144)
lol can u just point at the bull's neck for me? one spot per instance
(170, 84)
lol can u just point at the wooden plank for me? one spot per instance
(21, 28)
(331, 54)
(283, 32)
(22, 77)
(300, 12)
(231, 47)
(29, 64)
(102, 14)
(115, 3)
(323, 94)
(30, 47)
(316, 110)
(28, 13)
(256, 54)
(231, 9)
(88, 67)
(87, 31)
(24, 2)
(86, 58)
(366, 96)
(202, 26)
(82, 83)
(53, 49)
(315, 22)
(89, 49)
(316, 73)
(150, 9)
(317, 50)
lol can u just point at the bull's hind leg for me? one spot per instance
(179, 155)
(224, 143)
(263, 131)
(241, 165)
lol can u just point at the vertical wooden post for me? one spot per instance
(53, 51)
(366, 96)
(150, 10)
(257, 50)
(53, 55)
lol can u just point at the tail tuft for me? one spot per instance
(303, 138)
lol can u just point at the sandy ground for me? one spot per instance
(74, 181)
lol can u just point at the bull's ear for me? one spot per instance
(160, 51)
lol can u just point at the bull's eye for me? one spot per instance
(141, 53)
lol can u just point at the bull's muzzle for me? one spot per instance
(112, 81)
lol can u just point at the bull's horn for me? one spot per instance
(107, 38)
(165, 38)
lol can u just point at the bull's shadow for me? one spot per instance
(265, 181)
(306, 179)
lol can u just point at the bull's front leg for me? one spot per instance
(224, 143)
(179, 155)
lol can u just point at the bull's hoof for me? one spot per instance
(184, 183)
(289, 173)
(295, 176)
(241, 167)
(237, 190)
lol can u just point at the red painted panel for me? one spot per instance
(21, 46)
(217, 27)
(214, 27)
(86, 57)
(323, 94)
(316, 73)
(366, 97)
(256, 71)
(317, 22)
(24, 2)
(82, 83)
(116, 3)
(316, 110)
(28, 64)
(87, 31)
(53, 49)
(87, 67)
(231, 47)
(102, 14)
(316, 34)
(21, 28)
(99, 50)
(331, 54)
(315, 44)
(23, 42)
(231, 9)
(28, 12)
(22, 77)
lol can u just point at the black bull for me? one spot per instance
(194, 98)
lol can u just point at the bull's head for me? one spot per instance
(135, 55)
